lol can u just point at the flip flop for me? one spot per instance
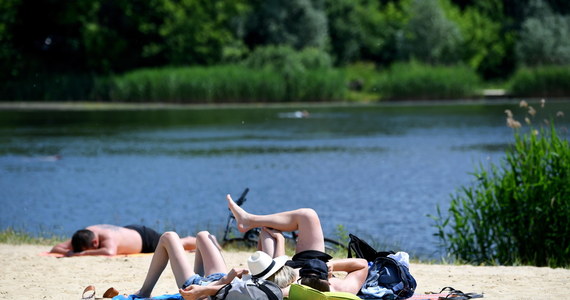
(110, 293)
(88, 293)
(473, 295)
(458, 295)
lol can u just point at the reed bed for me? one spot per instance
(226, 84)
(419, 82)
(545, 81)
(517, 212)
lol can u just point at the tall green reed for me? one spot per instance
(545, 81)
(226, 84)
(414, 80)
(517, 212)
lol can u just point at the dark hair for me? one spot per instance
(82, 239)
(315, 282)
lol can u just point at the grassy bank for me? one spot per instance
(17, 237)
(241, 84)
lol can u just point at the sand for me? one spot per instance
(27, 275)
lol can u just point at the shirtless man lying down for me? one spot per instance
(105, 239)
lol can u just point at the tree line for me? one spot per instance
(101, 37)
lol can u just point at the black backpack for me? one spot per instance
(251, 289)
(383, 271)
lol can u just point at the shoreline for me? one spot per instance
(28, 273)
(92, 105)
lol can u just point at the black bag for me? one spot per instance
(363, 250)
(383, 271)
(251, 289)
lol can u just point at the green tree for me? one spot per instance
(199, 31)
(485, 45)
(544, 37)
(296, 23)
(430, 36)
(10, 58)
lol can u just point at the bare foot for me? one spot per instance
(242, 217)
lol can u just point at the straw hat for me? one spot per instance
(261, 265)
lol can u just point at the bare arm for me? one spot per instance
(63, 248)
(107, 246)
(357, 269)
(193, 292)
(278, 243)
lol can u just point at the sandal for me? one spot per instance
(88, 293)
(458, 295)
(110, 293)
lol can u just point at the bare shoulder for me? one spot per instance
(105, 227)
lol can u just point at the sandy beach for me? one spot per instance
(28, 275)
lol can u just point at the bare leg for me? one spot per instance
(169, 248)
(189, 243)
(305, 220)
(272, 242)
(208, 258)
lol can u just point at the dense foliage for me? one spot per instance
(517, 212)
(45, 41)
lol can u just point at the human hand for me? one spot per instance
(274, 233)
(237, 272)
(192, 292)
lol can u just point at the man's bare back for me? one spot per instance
(122, 240)
(113, 240)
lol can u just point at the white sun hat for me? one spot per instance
(261, 265)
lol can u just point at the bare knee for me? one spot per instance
(309, 214)
(203, 235)
(169, 236)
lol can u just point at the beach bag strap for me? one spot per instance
(267, 291)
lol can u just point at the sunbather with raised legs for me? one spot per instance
(310, 256)
(210, 272)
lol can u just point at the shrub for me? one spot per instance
(545, 81)
(518, 212)
(418, 81)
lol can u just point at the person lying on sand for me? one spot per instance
(105, 239)
(315, 267)
(210, 273)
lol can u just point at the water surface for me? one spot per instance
(377, 170)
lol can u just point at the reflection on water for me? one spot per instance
(377, 170)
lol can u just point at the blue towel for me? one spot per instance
(163, 297)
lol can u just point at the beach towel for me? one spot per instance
(162, 297)
(303, 292)
(118, 255)
(428, 296)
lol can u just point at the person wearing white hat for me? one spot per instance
(310, 247)
(210, 273)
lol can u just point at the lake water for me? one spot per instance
(377, 170)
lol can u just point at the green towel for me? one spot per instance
(303, 292)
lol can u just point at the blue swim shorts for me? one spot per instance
(200, 280)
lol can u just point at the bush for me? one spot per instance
(419, 81)
(518, 212)
(545, 81)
